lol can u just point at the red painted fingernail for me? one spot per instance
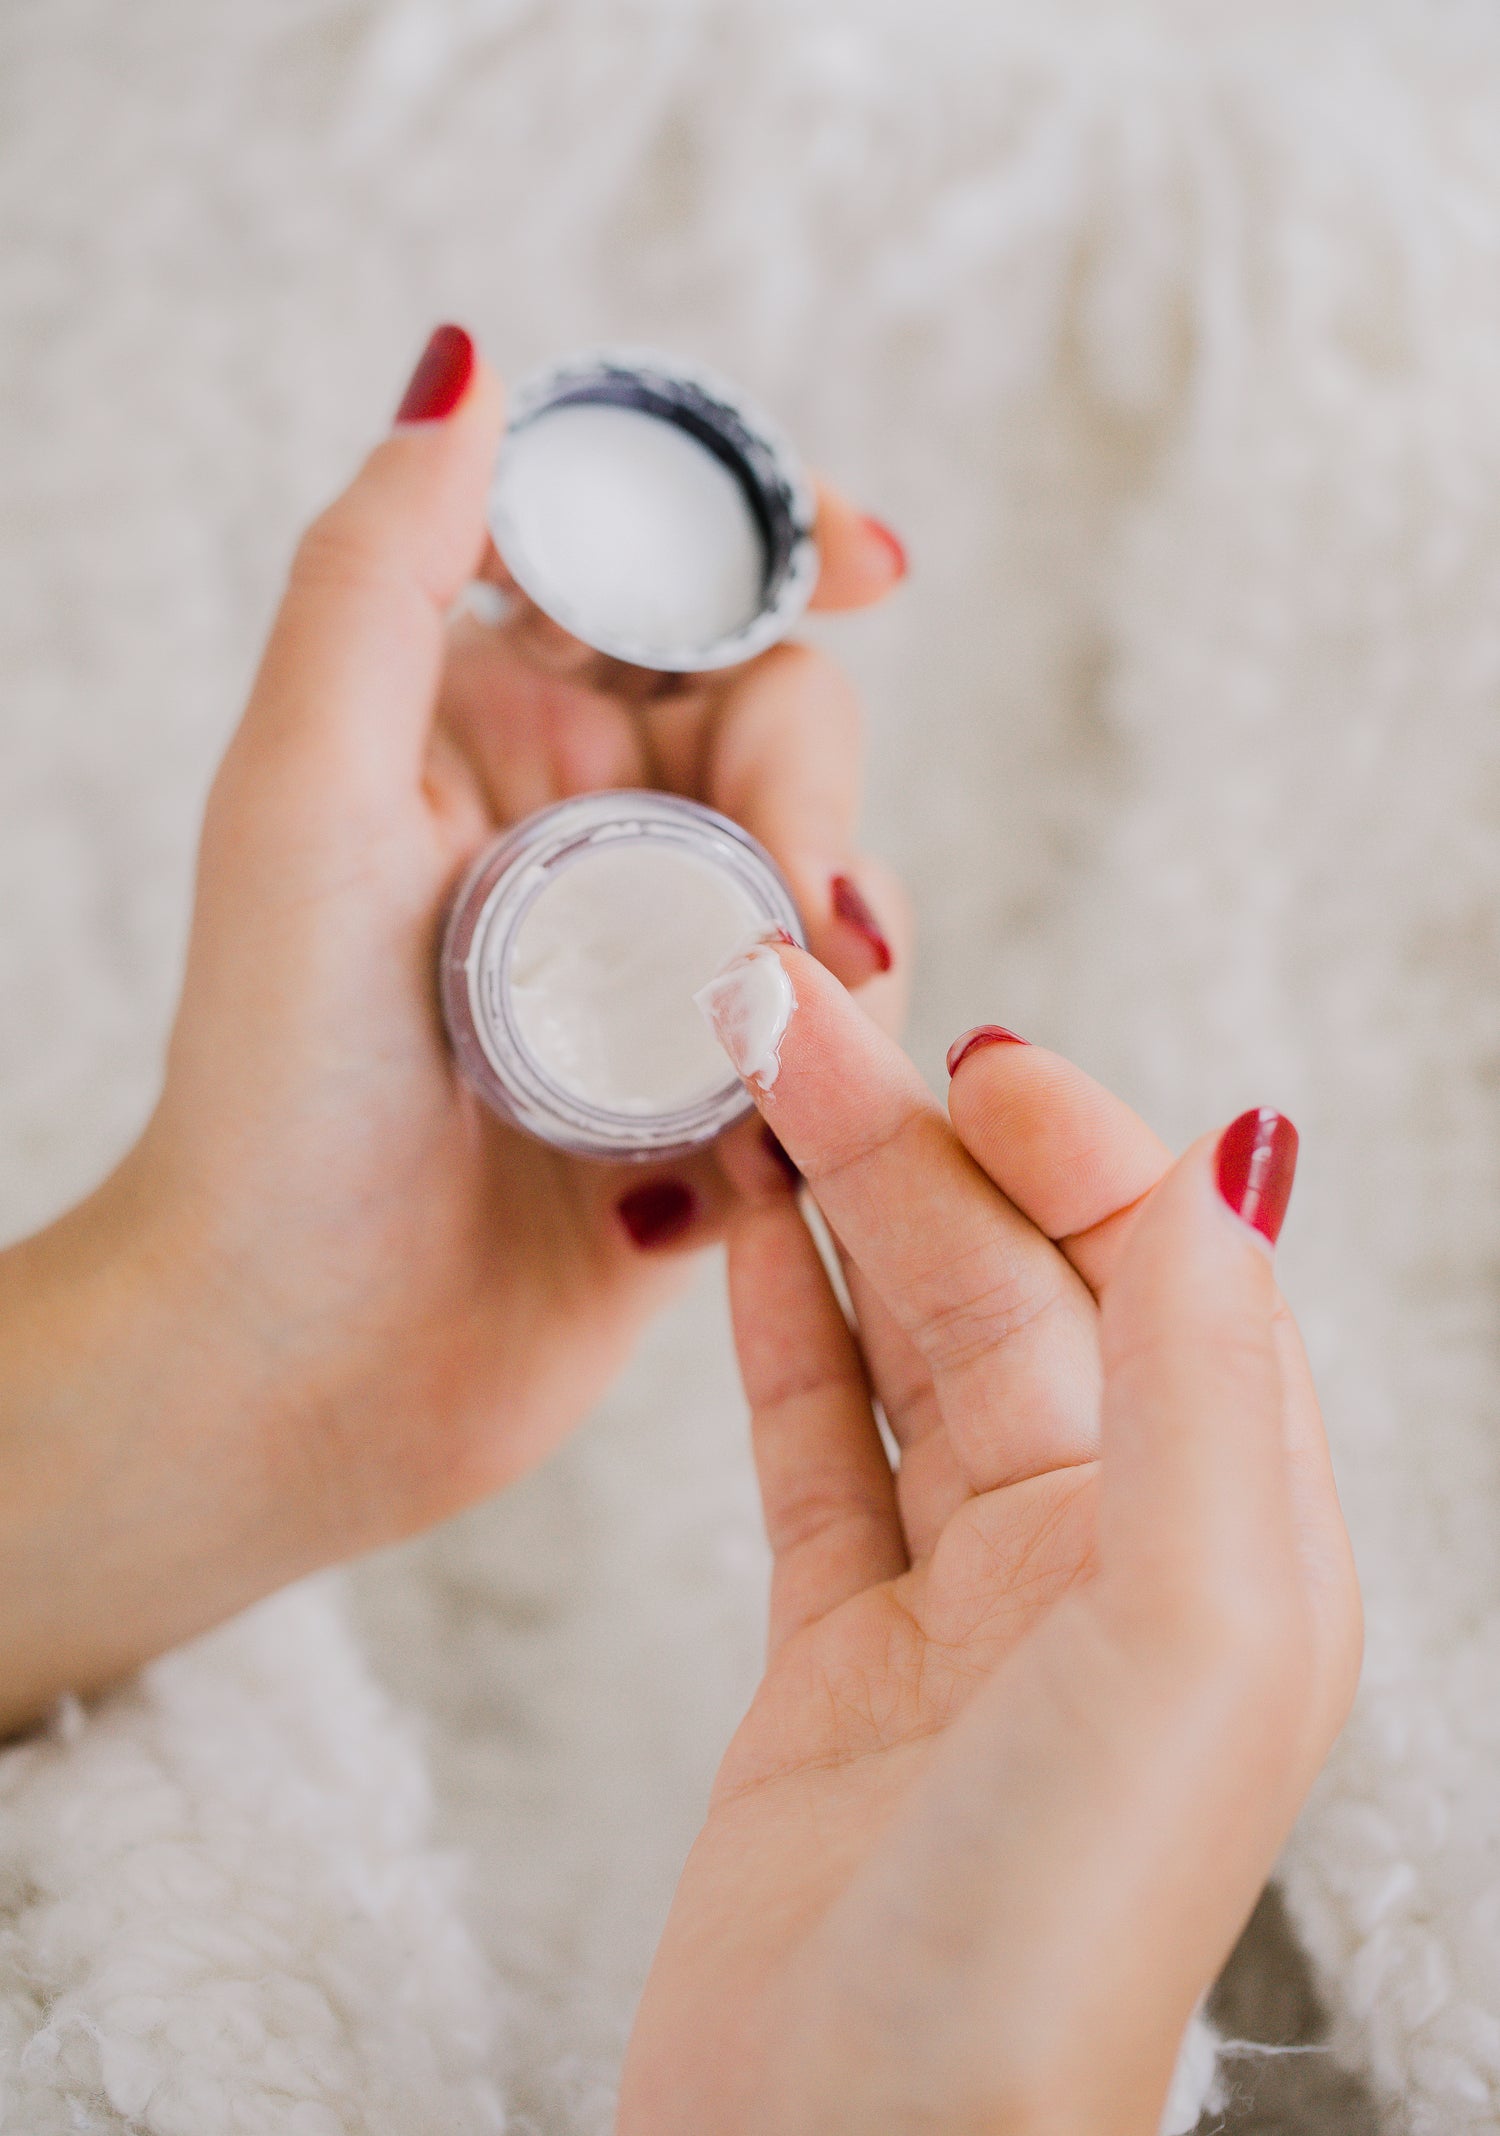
(851, 908)
(981, 1035)
(890, 542)
(1257, 1164)
(771, 1143)
(443, 371)
(779, 934)
(659, 1212)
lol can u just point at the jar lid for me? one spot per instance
(654, 512)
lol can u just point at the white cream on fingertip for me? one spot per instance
(748, 1006)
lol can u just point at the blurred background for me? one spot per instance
(1167, 339)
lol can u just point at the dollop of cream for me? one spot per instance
(748, 1006)
(605, 967)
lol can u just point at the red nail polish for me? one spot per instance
(1257, 1163)
(658, 1212)
(981, 1035)
(438, 384)
(779, 934)
(851, 908)
(771, 1143)
(892, 542)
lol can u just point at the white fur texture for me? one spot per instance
(214, 1891)
(1167, 333)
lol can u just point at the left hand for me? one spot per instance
(329, 1298)
(1040, 1707)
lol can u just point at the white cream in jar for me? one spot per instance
(573, 953)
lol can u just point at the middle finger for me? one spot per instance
(930, 1483)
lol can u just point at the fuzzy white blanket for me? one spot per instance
(1169, 334)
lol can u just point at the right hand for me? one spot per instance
(1041, 1709)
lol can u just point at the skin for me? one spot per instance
(1041, 1707)
(328, 1298)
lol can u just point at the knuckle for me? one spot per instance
(816, 1509)
(976, 1321)
(844, 1160)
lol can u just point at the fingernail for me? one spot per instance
(771, 1144)
(891, 543)
(1257, 1163)
(658, 1212)
(748, 1006)
(443, 371)
(850, 907)
(981, 1035)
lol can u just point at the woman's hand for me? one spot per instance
(328, 1298)
(1040, 1708)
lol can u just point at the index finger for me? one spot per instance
(1005, 1325)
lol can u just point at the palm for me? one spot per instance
(465, 1292)
(891, 1667)
(852, 1710)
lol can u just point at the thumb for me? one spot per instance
(1196, 1502)
(351, 670)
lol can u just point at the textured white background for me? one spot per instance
(1172, 349)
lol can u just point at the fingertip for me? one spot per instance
(1070, 1155)
(853, 911)
(862, 559)
(442, 376)
(978, 1036)
(860, 926)
(749, 1006)
(1192, 1253)
(1255, 1164)
(417, 506)
(450, 374)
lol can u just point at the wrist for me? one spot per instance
(139, 1495)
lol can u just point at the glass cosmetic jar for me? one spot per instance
(655, 513)
(572, 953)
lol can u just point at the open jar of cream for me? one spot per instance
(653, 512)
(573, 951)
